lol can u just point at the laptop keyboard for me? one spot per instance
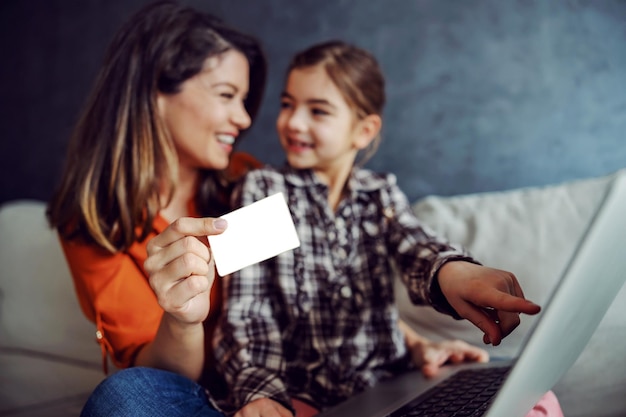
(467, 393)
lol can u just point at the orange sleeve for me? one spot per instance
(114, 293)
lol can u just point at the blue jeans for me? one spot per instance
(148, 392)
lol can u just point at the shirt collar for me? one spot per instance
(360, 180)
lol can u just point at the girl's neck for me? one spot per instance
(336, 182)
(184, 192)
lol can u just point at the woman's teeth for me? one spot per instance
(226, 139)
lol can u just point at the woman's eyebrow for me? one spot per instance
(225, 83)
(231, 85)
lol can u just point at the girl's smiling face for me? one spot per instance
(316, 126)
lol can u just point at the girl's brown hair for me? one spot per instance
(356, 74)
(120, 157)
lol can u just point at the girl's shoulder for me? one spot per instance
(266, 176)
(258, 183)
(368, 180)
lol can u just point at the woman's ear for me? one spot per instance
(366, 130)
(160, 104)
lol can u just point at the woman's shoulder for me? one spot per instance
(240, 164)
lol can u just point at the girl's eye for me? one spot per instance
(285, 105)
(319, 112)
(227, 95)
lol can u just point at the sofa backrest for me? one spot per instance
(39, 312)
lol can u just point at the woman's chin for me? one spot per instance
(217, 163)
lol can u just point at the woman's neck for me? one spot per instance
(183, 193)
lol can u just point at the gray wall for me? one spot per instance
(482, 95)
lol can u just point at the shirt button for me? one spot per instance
(99, 335)
(346, 292)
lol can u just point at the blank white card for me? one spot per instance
(255, 233)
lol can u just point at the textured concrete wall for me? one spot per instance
(482, 95)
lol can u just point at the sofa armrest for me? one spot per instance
(39, 312)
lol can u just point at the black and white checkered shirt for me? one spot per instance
(319, 323)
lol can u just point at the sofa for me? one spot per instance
(50, 361)
(49, 358)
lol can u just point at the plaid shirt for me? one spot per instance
(319, 323)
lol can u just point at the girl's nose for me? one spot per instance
(296, 121)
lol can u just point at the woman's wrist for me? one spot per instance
(180, 330)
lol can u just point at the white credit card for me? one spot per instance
(255, 233)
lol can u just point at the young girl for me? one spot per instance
(318, 324)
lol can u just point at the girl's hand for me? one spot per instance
(430, 356)
(263, 407)
(181, 269)
(490, 298)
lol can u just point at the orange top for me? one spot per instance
(114, 293)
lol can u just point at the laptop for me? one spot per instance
(590, 282)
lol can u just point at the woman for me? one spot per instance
(176, 89)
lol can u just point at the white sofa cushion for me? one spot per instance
(49, 357)
(39, 311)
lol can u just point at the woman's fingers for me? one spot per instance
(180, 267)
(187, 269)
(186, 226)
(189, 299)
(157, 260)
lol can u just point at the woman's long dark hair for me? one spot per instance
(120, 157)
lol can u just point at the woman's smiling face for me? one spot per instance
(205, 117)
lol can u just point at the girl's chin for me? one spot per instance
(298, 165)
(298, 162)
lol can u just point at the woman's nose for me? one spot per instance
(241, 118)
